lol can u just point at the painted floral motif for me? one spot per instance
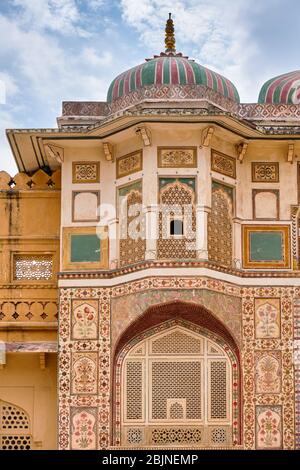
(84, 378)
(83, 432)
(85, 320)
(269, 427)
(268, 373)
(267, 317)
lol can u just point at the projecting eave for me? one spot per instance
(44, 148)
(39, 148)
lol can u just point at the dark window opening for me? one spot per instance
(176, 227)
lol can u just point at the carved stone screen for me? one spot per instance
(33, 267)
(14, 428)
(176, 391)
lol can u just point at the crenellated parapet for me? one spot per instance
(39, 180)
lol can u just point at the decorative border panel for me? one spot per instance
(223, 164)
(266, 172)
(177, 157)
(68, 264)
(202, 291)
(85, 172)
(129, 164)
(283, 258)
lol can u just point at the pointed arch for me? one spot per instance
(15, 427)
(196, 320)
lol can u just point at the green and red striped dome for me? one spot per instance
(284, 89)
(170, 70)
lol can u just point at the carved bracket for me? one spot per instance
(42, 357)
(145, 134)
(291, 153)
(242, 150)
(206, 136)
(108, 151)
(54, 152)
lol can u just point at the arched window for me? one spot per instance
(176, 390)
(15, 433)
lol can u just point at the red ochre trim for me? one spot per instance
(220, 84)
(127, 82)
(210, 80)
(138, 76)
(229, 88)
(159, 72)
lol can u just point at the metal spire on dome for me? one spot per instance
(170, 36)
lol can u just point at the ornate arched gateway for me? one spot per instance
(177, 381)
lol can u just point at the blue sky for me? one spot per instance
(55, 50)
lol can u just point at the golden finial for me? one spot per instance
(170, 36)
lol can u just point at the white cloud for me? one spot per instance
(58, 15)
(6, 161)
(96, 4)
(217, 35)
(50, 72)
(90, 56)
(9, 84)
(2, 92)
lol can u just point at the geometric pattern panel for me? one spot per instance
(29, 310)
(177, 343)
(176, 380)
(223, 164)
(129, 164)
(14, 428)
(132, 225)
(177, 198)
(176, 435)
(33, 267)
(177, 157)
(166, 387)
(172, 435)
(218, 390)
(86, 172)
(220, 225)
(134, 390)
(265, 172)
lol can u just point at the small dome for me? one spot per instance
(170, 75)
(170, 70)
(284, 89)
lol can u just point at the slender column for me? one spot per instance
(113, 229)
(201, 232)
(151, 214)
(237, 243)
